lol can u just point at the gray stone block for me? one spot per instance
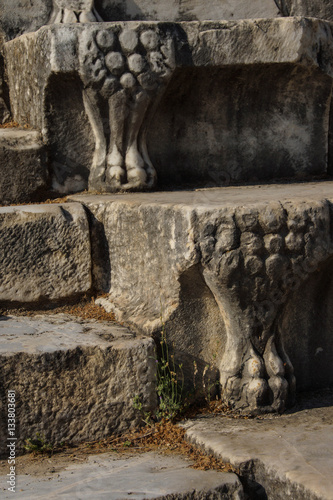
(229, 136)
(44, 252)
(223, 273)
(73, 380)
(23, 166)
(147, 476)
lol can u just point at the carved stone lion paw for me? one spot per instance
(127, 69)
(75, 11)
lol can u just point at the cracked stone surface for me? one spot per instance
(74, 380)
(223, 273)
(290, 456)
(119, 103)
(44, 252)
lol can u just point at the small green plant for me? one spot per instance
(38, 445)
(137, 405)
(169, 391)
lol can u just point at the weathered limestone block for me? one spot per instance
(115, 75)
(74, 380)
(23, 166)
(44, 252)
(223, 273)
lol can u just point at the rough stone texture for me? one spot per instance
(74, 380)
(20, 16)
(315, 8)
(146, 476)
(289, 456)
(44, 252)
(230, 135)
(185, 10)
(223, 273)
(23, 164)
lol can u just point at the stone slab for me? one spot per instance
(23, 166)
(222, 270)
(74, 380)
(44, 252)
(146, 476)
(284, 134)
(289, 456)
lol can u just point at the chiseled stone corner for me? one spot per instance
(44, 252)
(74, 380)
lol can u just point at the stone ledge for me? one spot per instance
(44, 252)
(24, 166)
(74, 380)
(146, 476)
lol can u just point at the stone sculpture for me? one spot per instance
(247, 100)
(128, 69)
(252, 261)
(125, 68)
(73, 11)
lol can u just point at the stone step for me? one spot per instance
(230, 274)
(284, 457)
(44, 252)
(24, 166)
(114, 477)
(219, 269)
(71, 380)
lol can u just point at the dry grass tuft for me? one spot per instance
(85, 309)
(12, 124)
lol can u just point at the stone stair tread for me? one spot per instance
(74, 380)
(144, 476)
(56, 332)
(19, 138)
(218, 196)
(289, 455)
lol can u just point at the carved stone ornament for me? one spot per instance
(126, 70)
